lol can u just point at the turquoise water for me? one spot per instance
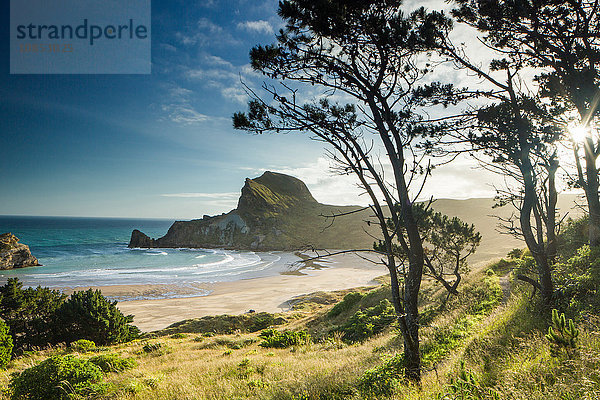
(78, 252)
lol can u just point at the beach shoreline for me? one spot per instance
(269, 294)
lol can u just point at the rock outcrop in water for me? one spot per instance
(14, 254)
(274, 212)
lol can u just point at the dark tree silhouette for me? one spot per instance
(516, 133)
(366, 53)
(562, 39)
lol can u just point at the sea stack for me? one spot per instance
(14, 254)
(140, 239)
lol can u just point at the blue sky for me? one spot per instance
(158, 145)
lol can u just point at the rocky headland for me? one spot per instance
(274, 212)
(14, 254)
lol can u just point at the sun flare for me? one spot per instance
(578, 133)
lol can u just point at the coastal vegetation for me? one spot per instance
(524, 327)
(490, 341)
(37, 317)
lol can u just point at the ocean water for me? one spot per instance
(79, 252)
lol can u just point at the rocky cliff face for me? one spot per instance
(14, 254)
(274, 212)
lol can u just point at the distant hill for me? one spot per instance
(480, 213)
(278, 212)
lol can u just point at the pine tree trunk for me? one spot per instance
(552, 246)
(537, 249)
(591, 194)
(412, 354)
(412, 286)
(408, 325)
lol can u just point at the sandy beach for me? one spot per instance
(153, 311)
(270, 294)
(261, 294)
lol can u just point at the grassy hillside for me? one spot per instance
(487, 343)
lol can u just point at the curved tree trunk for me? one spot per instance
(552, 246)
(537, 249)
(591, 193)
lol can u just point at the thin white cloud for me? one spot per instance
(260, 26)
(168, 47)
(184, 114)
(178, 107)
(205, 32)
(217, 73)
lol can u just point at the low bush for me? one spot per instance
(6, 345)
(367, 323)
(224, 324)
(113, 362)
(383, 379)
(260, 321)
(178, 336)
(573, 235)
(58, 378)
(281, 339)
(578, 283)
(89, 315)
(153, 348)
(83, 345)
(234, 344)
(350, 300)
(466, 387)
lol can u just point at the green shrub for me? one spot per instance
(367, 323)
(30, 314)
(572, 236)
(281, 339)
(225, 324)
(83, 345)
(57, 378)
(178, 336)
(233, 343)
(383, 379)
(259, 321)
(6, 345)
(346, 304)
(113, 362)
(152, 347)
(466, 387)
(89, 315)
(578, 282)
(514, 253)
